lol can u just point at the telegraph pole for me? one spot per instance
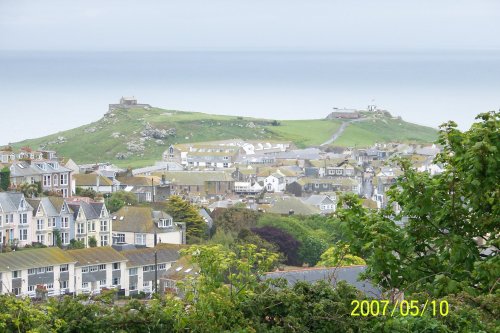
(156, 264)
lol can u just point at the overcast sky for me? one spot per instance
(249, 25)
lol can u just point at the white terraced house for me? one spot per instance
(15, 219)
(91, 219)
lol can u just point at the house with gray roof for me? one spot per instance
(323, 202)
(138, 226)
(91, 219)
(16, 214)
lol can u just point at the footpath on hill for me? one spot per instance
(341, 129)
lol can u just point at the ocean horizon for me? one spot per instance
(47, 92)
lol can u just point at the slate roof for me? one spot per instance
(90, 179)
(139, 219)
(318, 199)
(195, 177)
(283, 206)
(96, 255)
(32, 258)
(10, 201)
(139, 180)
(48, 206)
(145, 256)
(311, 275)
(91, 210)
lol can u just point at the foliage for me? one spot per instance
(235, 219)
(92, 241)
(57, 237)
(182, 211)
(339, 255)
(450, 241)
(76, 244)
(119, 199)
(85, 192)
(286, 243)
(30, 190)
(4, 179)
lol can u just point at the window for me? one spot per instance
(46, 180)
(64, 284)
(9, 218)
(40, 239)
(94, 268)
(133, 286)
(140, 239)
(146, 268)
(325, 185)
(31, 271)
(102, 283)
(146, 284)
(65, 237)
(132, 271)
(65, 222)
(41, 270)
(64, 192)
(16, 274)
(56, 180)
(64, 268)
(104, 226)
(64, 179)
(23, 234)
(80, 229)
(31, 287)
(23, 218)
(316, 185)
(85, 285)
(102, 267)
(161, 266)
(164, 223)
(39, 224)
(49, 269)
(120, 238)
(85, 269)
(116, 266)
(104, 240)
(225, 165)
(52, 222)
(116, 281)
(91, 226)
(49, 286)
(16, 291)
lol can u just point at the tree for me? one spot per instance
(183, 211)
(339, 255)
(4, 179)
(450, 240)
(235, 219)
(119, 199)
(57, 237)
(30, 190)
(85, 192)
(286, 243)
(92, 241)
(76, 244)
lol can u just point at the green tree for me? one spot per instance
(85, 192)
(76, 244)
(183, 211)
(339, 255)
(119, 199)
(450, 240)
(92, 241)
(29, 190)
(57, 237)
(4, 179)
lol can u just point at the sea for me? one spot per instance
(45, 92)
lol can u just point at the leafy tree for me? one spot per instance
(57, 237)
(4, 179)
(286, 243)
(92, 241)
(182, 211)
(76, 244)
(30, 190)
(339, 256)
(235, 219)
(119, 199)
(450, 240)
(85, 192)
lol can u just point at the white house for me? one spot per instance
(275, 182)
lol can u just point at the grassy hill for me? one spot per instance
(122, 137)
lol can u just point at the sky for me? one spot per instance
(418, 27)
(249, 25)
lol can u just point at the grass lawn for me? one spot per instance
(306, 132)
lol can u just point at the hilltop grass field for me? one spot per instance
(117, 137)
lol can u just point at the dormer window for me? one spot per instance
(165, 223)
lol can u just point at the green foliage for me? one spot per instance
(4, 179)
(235, 219)
(448, 215)
(30, 190)
(183, 211)
(92, 241)
(76, 244)
(119, 199)
(57, 236)
(85, 192)
(339, 255)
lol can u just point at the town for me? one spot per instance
(68, 228)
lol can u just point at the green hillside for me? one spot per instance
(138, 137)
